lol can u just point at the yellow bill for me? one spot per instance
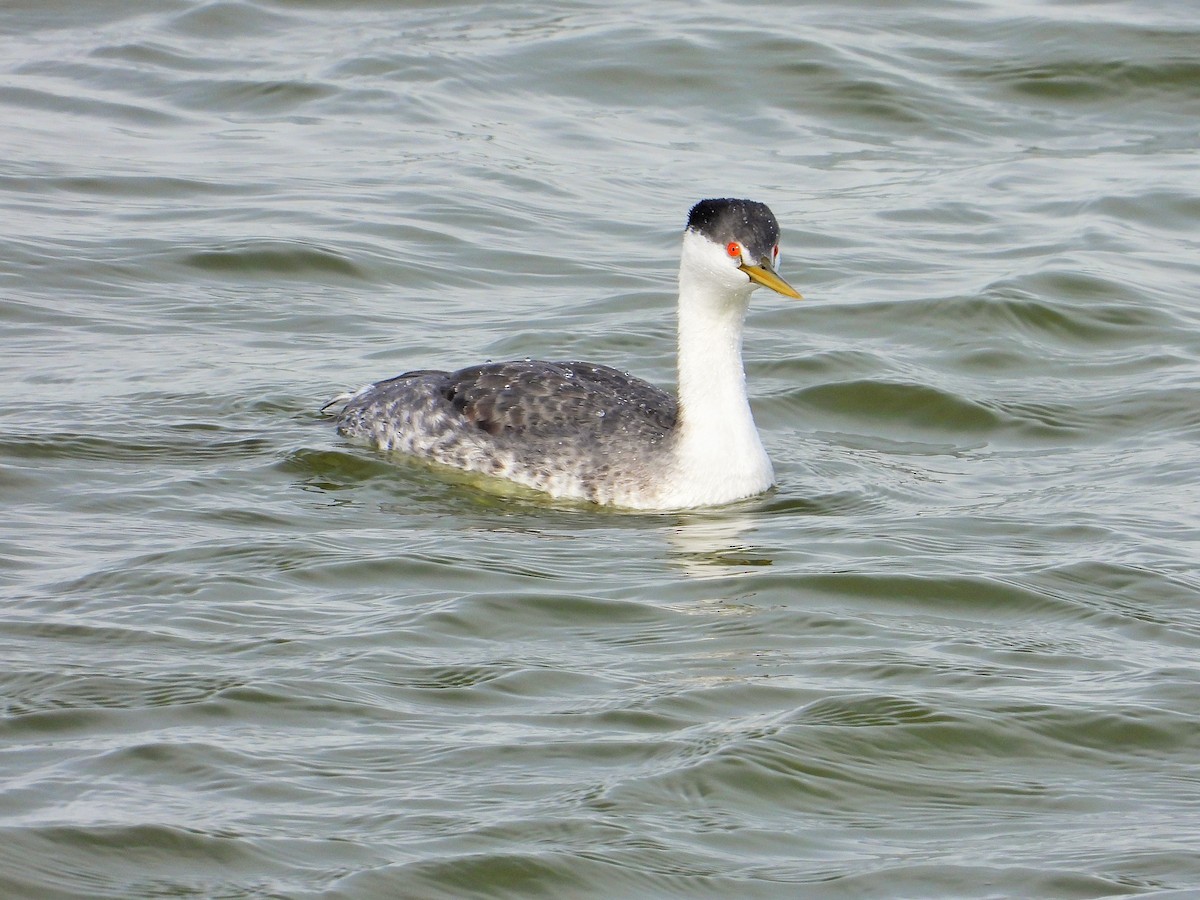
(766, 276)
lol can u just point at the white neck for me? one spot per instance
(719, 455)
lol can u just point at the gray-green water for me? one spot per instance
(953, 654)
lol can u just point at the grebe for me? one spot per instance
(581, 431)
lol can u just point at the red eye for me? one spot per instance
(733, 248)
(775, 252)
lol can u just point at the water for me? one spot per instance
(953, 654)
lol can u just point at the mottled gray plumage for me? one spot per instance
(575, 429)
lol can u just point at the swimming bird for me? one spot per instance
(581, 431)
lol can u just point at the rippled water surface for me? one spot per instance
(953, 654)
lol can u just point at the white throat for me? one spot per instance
(719, 455)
